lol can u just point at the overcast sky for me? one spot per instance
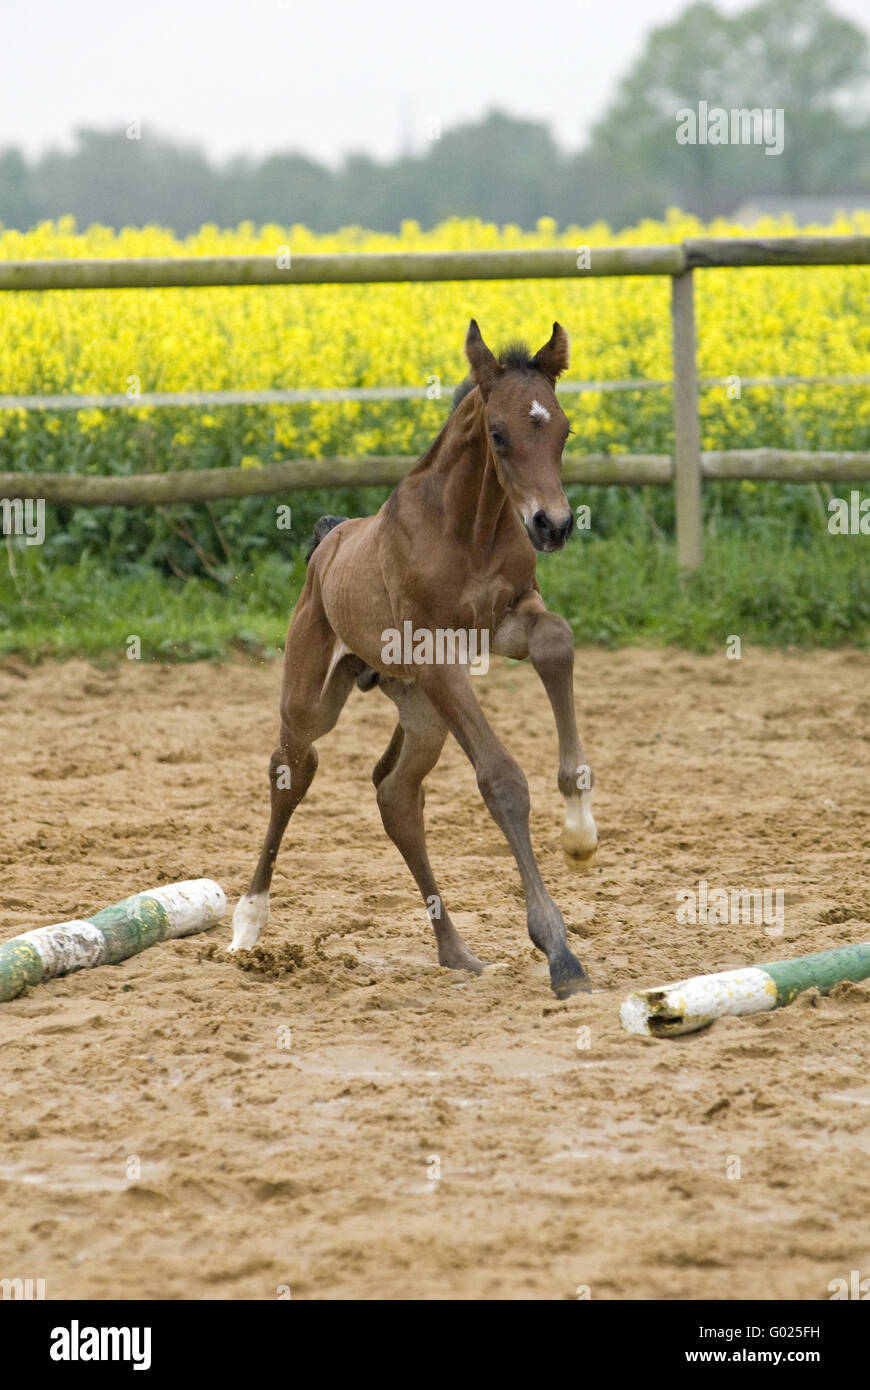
(321, 76)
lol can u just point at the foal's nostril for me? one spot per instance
(552, 532)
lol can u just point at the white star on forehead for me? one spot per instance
(538, 411)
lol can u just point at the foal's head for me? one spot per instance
(527, 429)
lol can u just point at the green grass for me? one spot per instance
(755, 585)
(86, 610)
(759, 582)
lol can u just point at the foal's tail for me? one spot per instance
(322, 527)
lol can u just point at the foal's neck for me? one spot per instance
(461, 458)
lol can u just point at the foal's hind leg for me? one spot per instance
(314, 692)
(413, 751)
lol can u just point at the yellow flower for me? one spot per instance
(753, 322)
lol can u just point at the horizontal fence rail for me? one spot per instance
(342, 268)
(388, 267)
(376, 470)
(685, 470)
(705, 253)
(315, 395)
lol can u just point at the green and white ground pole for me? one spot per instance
(692, 1004)
(111, 935)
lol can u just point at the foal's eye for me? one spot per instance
(499, 438)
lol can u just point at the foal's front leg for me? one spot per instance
(547, 640)
(506, 793)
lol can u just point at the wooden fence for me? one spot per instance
(685, 471)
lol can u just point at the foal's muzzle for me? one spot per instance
(546, 534)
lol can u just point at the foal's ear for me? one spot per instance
(484, 367)
(552, 359)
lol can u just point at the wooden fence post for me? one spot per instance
(687, 432)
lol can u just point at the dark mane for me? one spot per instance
(462, 391)
(514, 355)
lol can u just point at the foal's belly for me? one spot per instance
(354, 597)
(370, 614)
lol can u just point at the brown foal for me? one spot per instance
(452, 548)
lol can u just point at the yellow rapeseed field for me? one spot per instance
(793, 321)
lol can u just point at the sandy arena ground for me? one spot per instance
(303, 1160)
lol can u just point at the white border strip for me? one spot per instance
(692, 1004)
(67, 946)
(191, 906)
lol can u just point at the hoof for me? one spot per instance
(579, 860)
(579, 835)
(568, 977)
(249, 918)
(465, 961)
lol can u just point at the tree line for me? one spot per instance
(793, 56)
